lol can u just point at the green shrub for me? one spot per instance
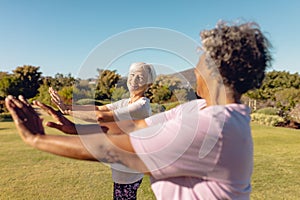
(157, 108)
(268, 120)
(267, 111)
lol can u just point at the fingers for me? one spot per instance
(12, 108)
(56, 99)
(24, 116)
(54, 125)
(28, 106)
(54, 96)
(17, 109)
(46, 108)
(51, 112)
(52, 91)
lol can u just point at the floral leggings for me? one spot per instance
(126, 191)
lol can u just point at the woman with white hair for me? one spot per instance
(140, 77)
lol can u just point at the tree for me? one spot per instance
(119, 93)
(59, 81)
(8, 85)
(275, 81)
(83, 90)
(28, 80)
(288, 97)
(106, 84)
(169, 88)
(159, 93)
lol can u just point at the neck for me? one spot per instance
(221, 95)
(135, 97)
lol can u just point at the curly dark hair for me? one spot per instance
(240, 52)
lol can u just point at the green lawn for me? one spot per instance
(30, 174)
(276, 163)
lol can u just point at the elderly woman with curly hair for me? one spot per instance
(199, 150)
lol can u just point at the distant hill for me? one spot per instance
(187, 77)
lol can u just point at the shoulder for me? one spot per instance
(122, 102)
(142, 101)
(228, 110)
(194, 105)
(118, 104)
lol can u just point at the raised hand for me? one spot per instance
(27, 121)
(56, 99)
(62, 123)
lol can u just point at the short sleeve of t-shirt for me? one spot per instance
(125, 111)
(118, 104)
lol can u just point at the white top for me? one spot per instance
(195, 152)
(139, 109)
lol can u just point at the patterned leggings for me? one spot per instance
(126, 191)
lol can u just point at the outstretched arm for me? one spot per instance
(65, 125)
(67, 109)
(90, 113)
(94, 147)
(94, 115)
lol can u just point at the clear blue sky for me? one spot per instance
(59, 35)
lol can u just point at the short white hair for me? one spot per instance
(146, 67)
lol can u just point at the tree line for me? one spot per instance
(109, 86)
(279, 92)
(279, 95)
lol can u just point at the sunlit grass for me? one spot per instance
(27, 173)
(276, 163)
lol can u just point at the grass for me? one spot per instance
(30, 174)
(27, 173)
(276, 163)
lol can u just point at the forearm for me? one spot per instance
(82, 107)
(84, 129)
(93, 115)
(89, 116)
(66, 146)
(92, 147)
(88, 108)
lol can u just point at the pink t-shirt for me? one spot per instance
(198, 153)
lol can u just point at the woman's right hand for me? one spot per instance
(56, 99)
